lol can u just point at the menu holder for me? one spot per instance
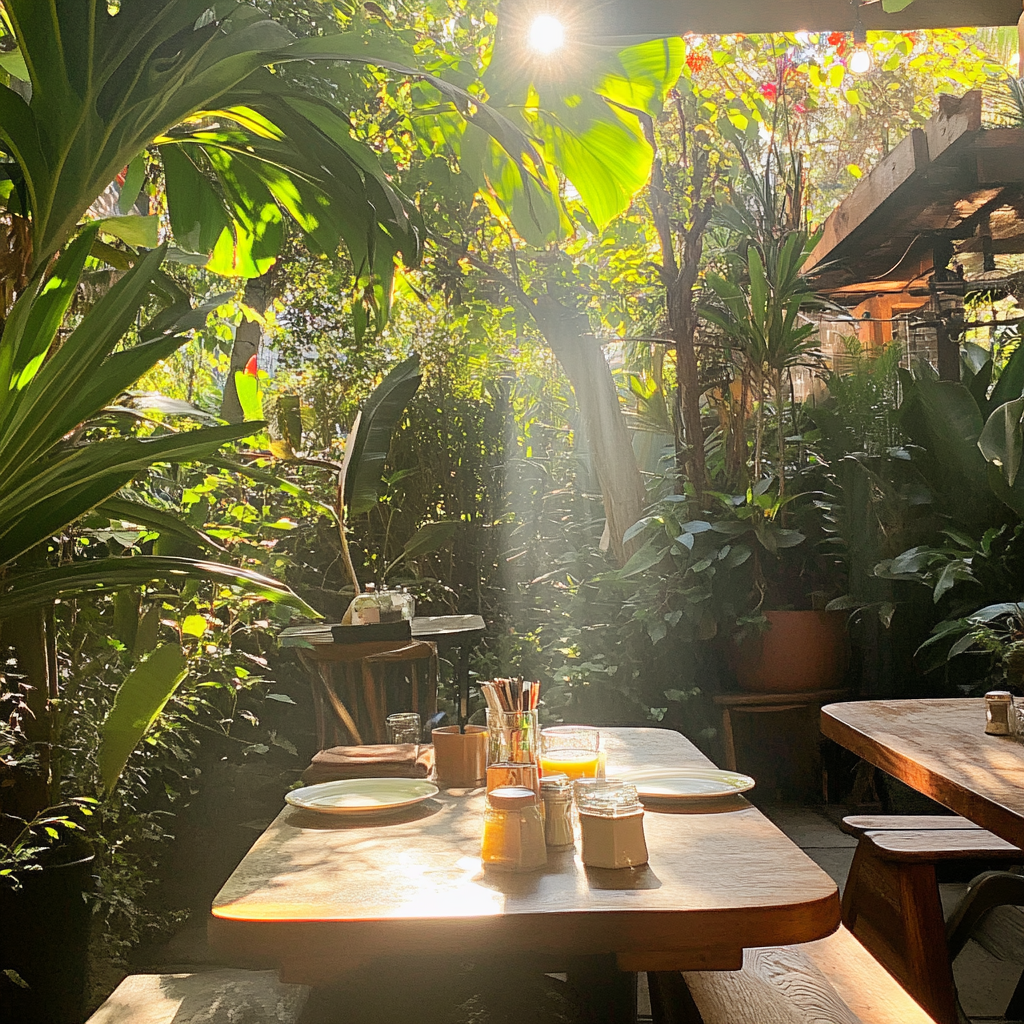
(373, 632)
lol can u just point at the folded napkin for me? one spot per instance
(373, 761)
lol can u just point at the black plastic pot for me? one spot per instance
(44, 936)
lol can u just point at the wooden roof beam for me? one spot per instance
(725, 17)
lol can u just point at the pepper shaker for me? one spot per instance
(998, 713)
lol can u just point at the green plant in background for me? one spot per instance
(66, 449)
(759, 311)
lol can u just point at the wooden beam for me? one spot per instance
(724, 17)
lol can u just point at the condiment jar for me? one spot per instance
(611, 824)
(365, 607)
(999, 713)
(556, 792)
(513, 837)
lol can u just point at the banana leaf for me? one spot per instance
(370, 437)
(108, 575)
(137, 705)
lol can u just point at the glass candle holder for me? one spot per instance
(404, 728)
(572, 750)
(512, 737)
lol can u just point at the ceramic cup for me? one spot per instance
(460, 759)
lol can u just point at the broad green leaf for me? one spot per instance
(143, 232)
(248, 388)
(162, 521)
(132, 187)
(194, 625)
(895, 6)
(429, 537)
(108, 575)
(370, 438)
(1002, 439)
(137, 705)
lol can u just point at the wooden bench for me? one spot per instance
(213, 997)
(891, 901)
(831, 981)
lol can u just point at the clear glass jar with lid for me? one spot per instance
(513, 838)
(365, 607)
(611, 824)
(390, 605)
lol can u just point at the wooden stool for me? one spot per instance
(891, 901)
(356, 686)
(766, 703)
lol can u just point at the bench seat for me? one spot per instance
(858, 824)
(831, 981)
(211, 997)
(891, 901)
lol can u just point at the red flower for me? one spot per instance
(800, 108)
(770, 91)
(835, 38)
(252, 367)
(698, 62)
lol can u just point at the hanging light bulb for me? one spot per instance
(860, 62)
(860, 59)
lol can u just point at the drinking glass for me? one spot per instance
(512, 737)
(404, 728)
(572, 750)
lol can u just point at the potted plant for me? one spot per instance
(787, 642)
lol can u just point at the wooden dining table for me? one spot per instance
(939, 748)
(319, 897)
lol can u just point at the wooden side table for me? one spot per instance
(358, 716)
(767, 703)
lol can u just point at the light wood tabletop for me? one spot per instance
(939, 748)
(319, 898)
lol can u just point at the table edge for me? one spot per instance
(997, 818)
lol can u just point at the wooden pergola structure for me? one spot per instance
(725, 17)
(950, 194)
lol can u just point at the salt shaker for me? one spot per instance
(998, 712)
(611, 824)
(556, 792)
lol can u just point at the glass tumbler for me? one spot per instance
(404, 728)
(512, 737)
(572, 750)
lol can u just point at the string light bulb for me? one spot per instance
(546, 35)
(860, 59)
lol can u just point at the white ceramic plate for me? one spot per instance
(361, 796)
(687, 783)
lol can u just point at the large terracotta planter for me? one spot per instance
(799, 653)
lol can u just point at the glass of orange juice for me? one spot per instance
(572, 750)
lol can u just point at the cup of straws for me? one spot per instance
(513, 743)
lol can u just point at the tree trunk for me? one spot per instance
(32, 789)
(680, 279)
(581, 357)
(247, 344)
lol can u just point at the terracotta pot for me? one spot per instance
(799, 653)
